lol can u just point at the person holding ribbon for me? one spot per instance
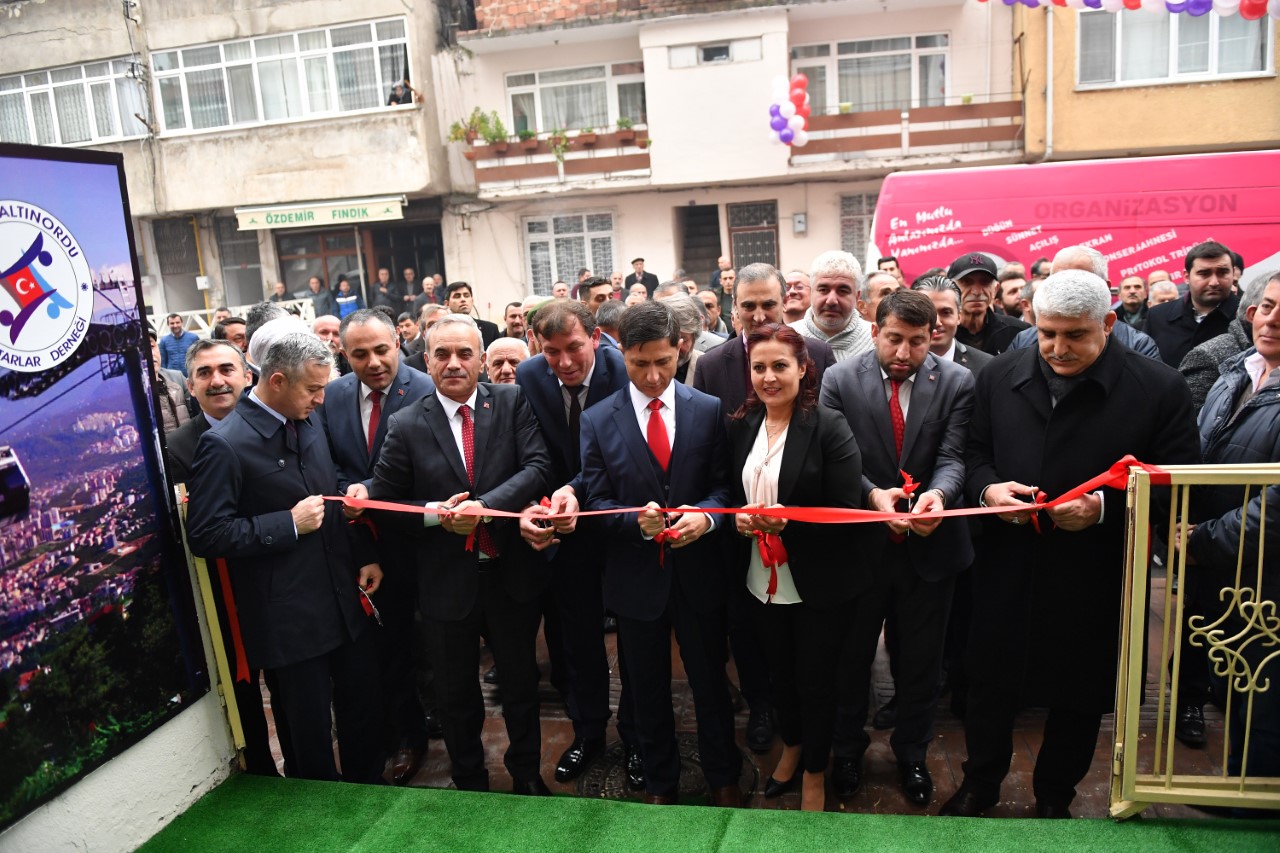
(788, 450)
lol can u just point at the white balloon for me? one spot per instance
(1226, 8)
(1076, 4)
(801, 139)
(806, 91)
(1273, 9)
(787, 109)
(1112, 5)
(796, 122)
(773, 137)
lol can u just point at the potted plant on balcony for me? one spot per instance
(559, 143)
(495, 134)
(587, 137)
(528, 139)
(626, 129)
(644, 144)
(473, 127)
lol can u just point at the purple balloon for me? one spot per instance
(779, 123)
(1093, 4)
(1196, 8)
(1010, 2)
(776, 109)
(786, 135)
(1175, 7)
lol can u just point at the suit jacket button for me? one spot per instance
(269, 540)
(280, 463)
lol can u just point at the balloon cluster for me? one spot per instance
(789, 112)
(1250, 10)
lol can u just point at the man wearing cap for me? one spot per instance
(980, 326)
(648, 279)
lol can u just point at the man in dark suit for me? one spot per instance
(1205, 312)
(722, 372)
(355, 413)
(909, 411)
(658, 444)
(216, 377)
(1047, 596)
(460, 300)
(946, 298)
(468, 447)
(297, 568)
(572, 373)
(639, 276)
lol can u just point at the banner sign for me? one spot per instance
(98, 639)
(1142, 214)
(320, 214)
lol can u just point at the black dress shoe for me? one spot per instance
(576, 758)
(634, 767)
(535, 787)
(491, 677)
(773, 788)
(1050, 811)
(967, 803)
(760, 730)
(917, 784)
(847, 778)
(887, 716)
(404, 764)
(1190, 726)
(435, 726)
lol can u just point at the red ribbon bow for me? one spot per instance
(664, 536)
(773, 554)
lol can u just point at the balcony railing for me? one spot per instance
(908, 131)
(584, 157)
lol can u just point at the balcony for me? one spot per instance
(993, 129)
(516, 167)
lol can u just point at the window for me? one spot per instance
(1129, 47)
(558, 246)
(97, 102)
(280, 78)
(753, 233)
(574, 98)
(691, 55)
(875, 74)
(241, 264)
(327, 254)
(856, 212)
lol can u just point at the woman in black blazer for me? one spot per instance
(789, 451)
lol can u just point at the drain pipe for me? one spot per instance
(1048, 87)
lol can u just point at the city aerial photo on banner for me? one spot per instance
(98, 643)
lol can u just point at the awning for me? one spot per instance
(318, 214)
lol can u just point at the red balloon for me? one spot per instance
(797, 97)
(1252, 10)
(803, 110)
(799, 82)
(1131, 5)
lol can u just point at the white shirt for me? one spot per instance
(640, 402)
(760, 484)
(253, 395)
(904, 390)
(452, 412)
(366, 407)
(583, 390)
(950, 354)
(1256, 366)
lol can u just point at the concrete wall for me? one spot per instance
(135, 795)
(1223, 115)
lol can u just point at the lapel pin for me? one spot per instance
(400, 393)
(485, 406)
(932, 377)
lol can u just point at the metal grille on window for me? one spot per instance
(540, 267)
(856, 212)
(241, 262)
(753, 215)
(753, 233)
(571, 256)
(176, 245)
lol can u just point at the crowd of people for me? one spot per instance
(659, 406)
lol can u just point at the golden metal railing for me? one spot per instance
(1143, 770)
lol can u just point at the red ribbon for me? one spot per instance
(773, 554)
(664, 536)
(233, 621)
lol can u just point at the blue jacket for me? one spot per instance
(1139, 342)
(173, 351)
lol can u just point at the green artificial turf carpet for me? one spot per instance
(249, 813)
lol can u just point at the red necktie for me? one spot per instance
(469, 458)
(659, 444)
(896, 416)
(899, 430)
(374, 416)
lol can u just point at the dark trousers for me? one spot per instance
(302, 693)
(920, 608)
(397, 640)
(1197, 600)
(803, 645)
(579, 607)
(749, 655)
(647, 647)
(511, 628)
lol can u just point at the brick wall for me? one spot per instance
(515, 15)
